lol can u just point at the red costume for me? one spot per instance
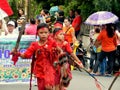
(43, 68)
(59, 73)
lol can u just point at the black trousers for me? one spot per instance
(110, 62)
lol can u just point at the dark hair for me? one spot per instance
(19, 13)
(41, 25)
(32, 21)
(45, 11)
(56, 30)
(68, 19)
(72, 10)
(110, 30)
(97, 30)
(61, 13)
(78, 11)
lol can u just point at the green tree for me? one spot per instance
(87, 7)
(14, 8)
(102, 5)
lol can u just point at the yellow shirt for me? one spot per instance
(94, 38)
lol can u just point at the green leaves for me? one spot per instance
(87, 7)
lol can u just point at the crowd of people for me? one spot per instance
(52, 48)
(51, 68)
(104, 50)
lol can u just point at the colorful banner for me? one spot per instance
(21, 71)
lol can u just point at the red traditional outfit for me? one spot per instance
(43, 68)
(66, 48)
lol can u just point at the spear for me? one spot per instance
(19, 38)
(96, 81)
(98, 84)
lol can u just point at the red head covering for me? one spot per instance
(42, 26)
(57, 31)
(58, 24)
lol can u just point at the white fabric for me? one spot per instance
(2, 14)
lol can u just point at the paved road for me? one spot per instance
(80, 81)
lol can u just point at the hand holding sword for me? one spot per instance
(15, 54)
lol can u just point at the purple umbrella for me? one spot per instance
(101, 17)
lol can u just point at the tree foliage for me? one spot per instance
(87, 7)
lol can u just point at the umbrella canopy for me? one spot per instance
(101, 17)
(5, 9)
(53, 10)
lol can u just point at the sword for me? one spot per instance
(15, 56)
(19, 38)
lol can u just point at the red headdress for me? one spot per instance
(58, 24)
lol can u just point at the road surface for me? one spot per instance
(80, 81)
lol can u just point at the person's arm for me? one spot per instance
(27, 54)
(20, 21)
(99, 39)
(75, 58)
(115, 40)
(118, 34)
(97, 43)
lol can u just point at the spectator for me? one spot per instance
(37, 22)
(41, 16)
(60, 17)
(77, 22)
(107, 39)
(31, 29)
(11, 28)
(71, 15)
(47, 16)
(118, 50)
(3, 27)
(93, 54)
(21, 19)
(69, 31)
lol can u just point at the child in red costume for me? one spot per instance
(45, 55)
(64, 69)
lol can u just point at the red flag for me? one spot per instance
(5, 9)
